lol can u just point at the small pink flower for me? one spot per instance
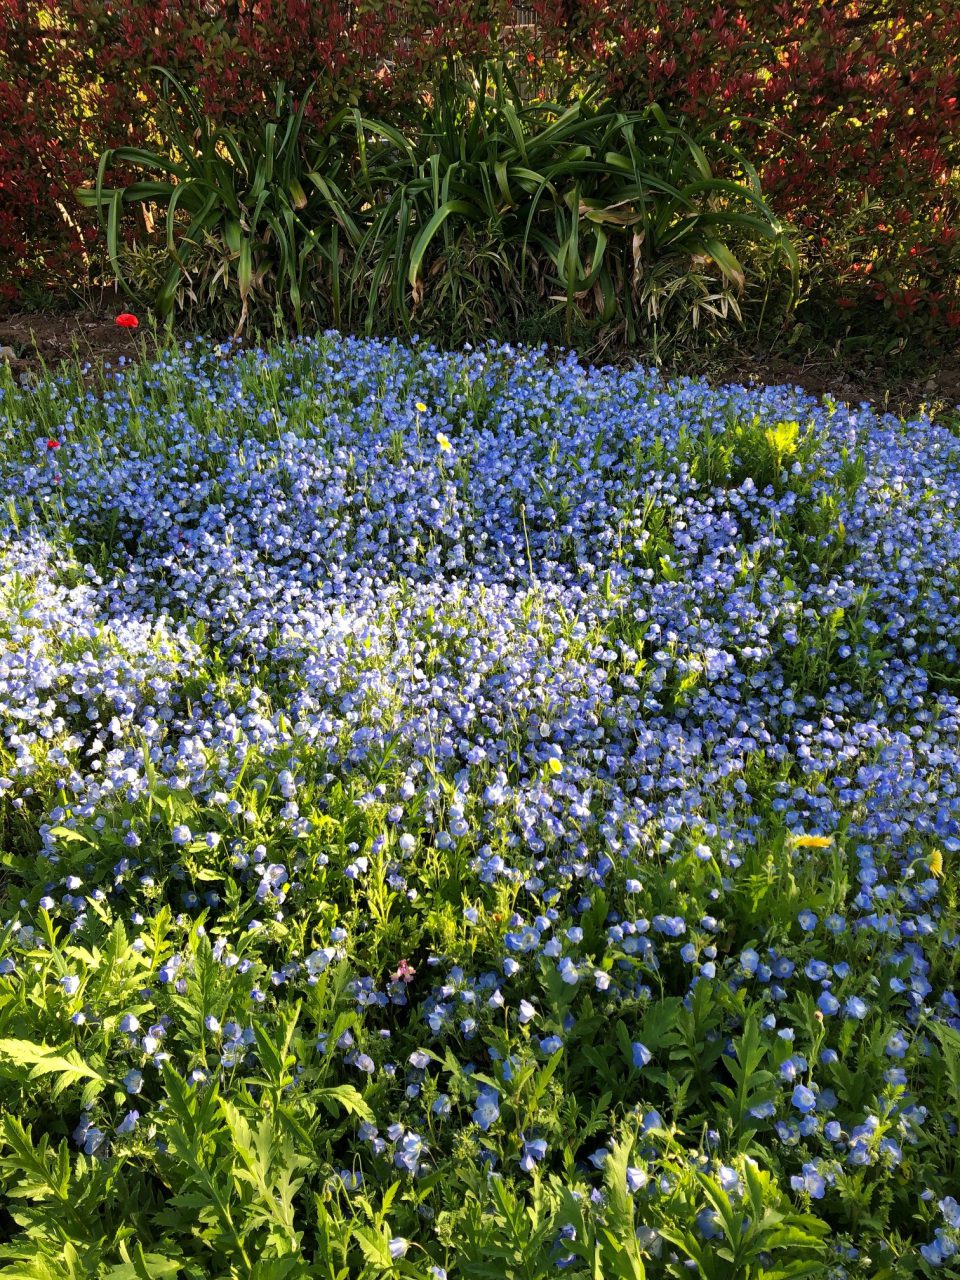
(405, 972)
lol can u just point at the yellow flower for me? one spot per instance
(444, 443)
(554, 765)
(420, 407)
(812, 842)
(936, 862)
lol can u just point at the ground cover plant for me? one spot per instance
(474, 814)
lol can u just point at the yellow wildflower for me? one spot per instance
(554, 765)
(936, 863)
(813, 842)
(444, 443)
(420, 407)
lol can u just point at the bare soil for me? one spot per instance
(36, 339)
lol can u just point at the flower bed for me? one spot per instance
(473, 813)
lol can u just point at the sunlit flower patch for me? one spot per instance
(472, 807)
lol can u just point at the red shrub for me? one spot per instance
(854, 114)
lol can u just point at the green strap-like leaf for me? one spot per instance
(422, 242)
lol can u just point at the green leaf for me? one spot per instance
(345, 1097)
(374, 1246)
(422, 242)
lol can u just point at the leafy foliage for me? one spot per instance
(474, 814)
(491, 211)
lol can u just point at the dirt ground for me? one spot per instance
(35, 339)
(29, 341)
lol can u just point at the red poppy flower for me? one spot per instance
(53, 444)
(127, 321)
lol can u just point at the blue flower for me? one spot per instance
(708, 1224)
(671, 926)
(641, 1054)
(803, 1099)
(534, 1150)
(128, 1123)
(487, 1109)
(812, 1182)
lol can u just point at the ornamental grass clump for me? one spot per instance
(486, 212)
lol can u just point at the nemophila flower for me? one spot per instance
(708, 1224)
(381, 647)
(804, 1099)
(940, 1249)
(526, 1012)
(527, 939)
(128, 1123)
(641, 1055)
(181, 834)
(409, 1152)
(8, 966)
(793, 1067)
(670, 926)
(133, 1081)
(88, 1137)
(855, 1008)
(487, 1109)
(897, 1045)
(728, 1178)
(812, 1182)
(534, 1150)
(70, 984)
